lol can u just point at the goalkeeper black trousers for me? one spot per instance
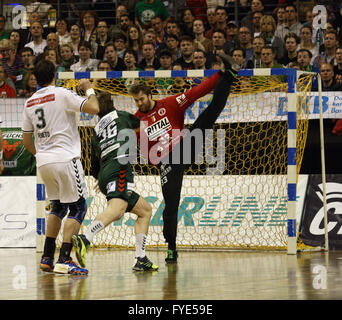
(171, 174)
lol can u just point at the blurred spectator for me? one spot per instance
(256, 23)
(165, 60)
(158, 27)
(6, 91)
(238, 55)
(85, 63)
(120, 41)
(150, 36)
(211, 24)
(130, 60)
(51, 55)
(268, 27)
(38, 43)
(75, 35)
(186, 45)
(232, 35)
(338, 66)
(268, 58)
(245, 41)
(52, 41)
(172, 27)
(291, 24)
(10, 59)
(148, 51)
(88, 24)
(280, 15)
(67, 56)
(172, 43)
(42, 9)
(330, 45)
(102, 39)
(145, 10)
(198, 9)
(12, 63)
(255, 60)
(135, 41)
(306, 41)
(27, 58)
(217, 65)
(25, 34)
(30, 85)
(125, 22)
(255, 6)
(110, 55)
(199, 59)
(62, 31)
(201, 41)
(115, 28)
(291, 46)
(329, 82)
(221, 21)
(187, 21)
(308, 18)
(304, 57)
(3, 34)
(104, 66)
(15, 38)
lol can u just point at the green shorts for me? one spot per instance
(117, 181)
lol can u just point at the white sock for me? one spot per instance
(95, 227)
(140, 242)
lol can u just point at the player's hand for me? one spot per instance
(85, 84)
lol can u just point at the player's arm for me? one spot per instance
(28, 142)
(91, 105)
(186, 99)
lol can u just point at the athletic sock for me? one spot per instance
(49, 247)
(140, 242)
(93, 229)
(64, 254)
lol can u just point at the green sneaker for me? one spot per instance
(172, 256)
(81, 245)
(144, 264)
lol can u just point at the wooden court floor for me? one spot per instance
(197, 276)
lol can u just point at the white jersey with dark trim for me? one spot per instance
(50, 115)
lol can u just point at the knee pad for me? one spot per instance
(78, 210)
(59, 209)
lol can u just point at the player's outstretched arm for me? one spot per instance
(92, 104)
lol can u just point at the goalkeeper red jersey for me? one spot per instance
(161, 128)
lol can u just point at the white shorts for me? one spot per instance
(64, 181)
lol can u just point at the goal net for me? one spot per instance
(238, 196)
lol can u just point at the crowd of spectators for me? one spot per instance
(145, 36)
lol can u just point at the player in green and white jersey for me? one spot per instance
(111, 150)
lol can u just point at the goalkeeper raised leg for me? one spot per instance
(162, 124)
(114, 172)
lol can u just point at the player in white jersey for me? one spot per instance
(1, 146)
(50, 133)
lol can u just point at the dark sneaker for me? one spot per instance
(144, 264)
(229, 63)
(172, 256)
(46, 264)
(81, 245)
